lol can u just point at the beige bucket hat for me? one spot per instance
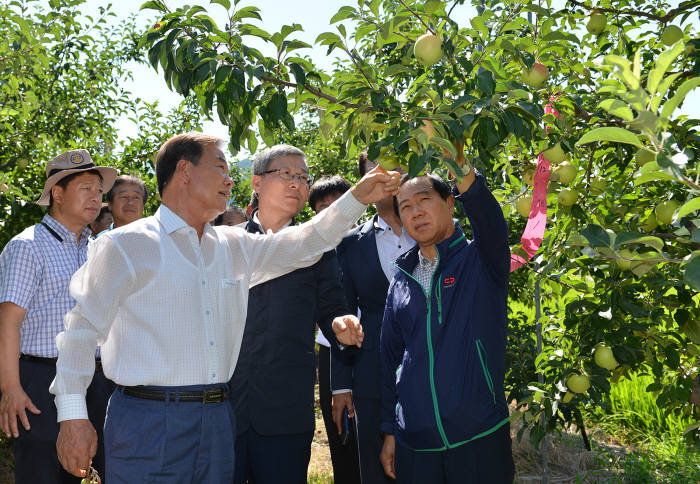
(72, 162)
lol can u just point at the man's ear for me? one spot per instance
(451, 203)
(182, 170)
(255, 182)
(57, 193)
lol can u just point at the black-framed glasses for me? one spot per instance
(287, 175)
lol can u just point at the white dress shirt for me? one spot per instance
(390, 245)
(169, 309)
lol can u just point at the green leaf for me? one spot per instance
(692, 273)
(248, 29)
(344, 13)
(596, 236)
(654, 242)
(689, 207)
(680, 95)
(479, 25)
(152, 5)
(652, 176)
(326, 38)
(663, 62)
(246, 12)
(485, 82)
(445, 144)
(613, 134)
(663, 89)
(644, 262)
(696, 236)
(617, 108)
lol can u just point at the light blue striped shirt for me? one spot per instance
(35, 271)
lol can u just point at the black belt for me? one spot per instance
(52, 361)
(202, 396)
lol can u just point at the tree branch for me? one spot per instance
(639, 13)
(418, 17)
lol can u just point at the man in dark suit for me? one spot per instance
(366, 257)
(272, 388)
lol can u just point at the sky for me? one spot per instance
(314, 15)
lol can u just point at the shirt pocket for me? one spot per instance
(231, 297)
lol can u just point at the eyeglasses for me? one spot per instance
(286, 175)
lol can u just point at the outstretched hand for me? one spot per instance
(348, 330)
(376, 185)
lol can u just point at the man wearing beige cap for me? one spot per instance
(35, 271)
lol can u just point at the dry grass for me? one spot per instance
(320, 468)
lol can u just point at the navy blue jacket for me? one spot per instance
(272, 387)
(443, 350)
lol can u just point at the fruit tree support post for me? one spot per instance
(540, 379)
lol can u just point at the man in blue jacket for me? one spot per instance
(444, 413)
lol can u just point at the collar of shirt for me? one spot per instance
(425, 263)
(381, 225)
(66, 234)
(262, 230)
(172, 222)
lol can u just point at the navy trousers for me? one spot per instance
(346, 463)
(35, 451)
(369, 440)
(175, 442)
(276, 459)
(488, 460)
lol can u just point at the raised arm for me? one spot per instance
(488, 225)
(270, 256)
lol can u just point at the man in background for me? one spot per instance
(272, 389)
(35, 270)
(126, 200)
(344, 456)
(102, 222)
(232, 216)
(367, 256)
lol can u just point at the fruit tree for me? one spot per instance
(594, 85)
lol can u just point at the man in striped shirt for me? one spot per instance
(35, 270)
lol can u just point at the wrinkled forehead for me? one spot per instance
(415, 186)
(293, 162)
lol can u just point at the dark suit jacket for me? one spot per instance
(366, 287)
(272, 388)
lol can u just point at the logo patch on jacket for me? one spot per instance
(449, 281)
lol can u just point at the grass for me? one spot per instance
(660, 451)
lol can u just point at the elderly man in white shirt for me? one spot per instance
(166, 298)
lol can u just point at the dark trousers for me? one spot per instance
(35, 450)
(346, 463)
(172, 442)
(488, 460)
(369, 439)
(275, 459)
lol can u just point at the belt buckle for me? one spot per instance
(211, 396)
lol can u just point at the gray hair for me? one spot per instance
(266, 156)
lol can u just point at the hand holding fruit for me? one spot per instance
(376, 185)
